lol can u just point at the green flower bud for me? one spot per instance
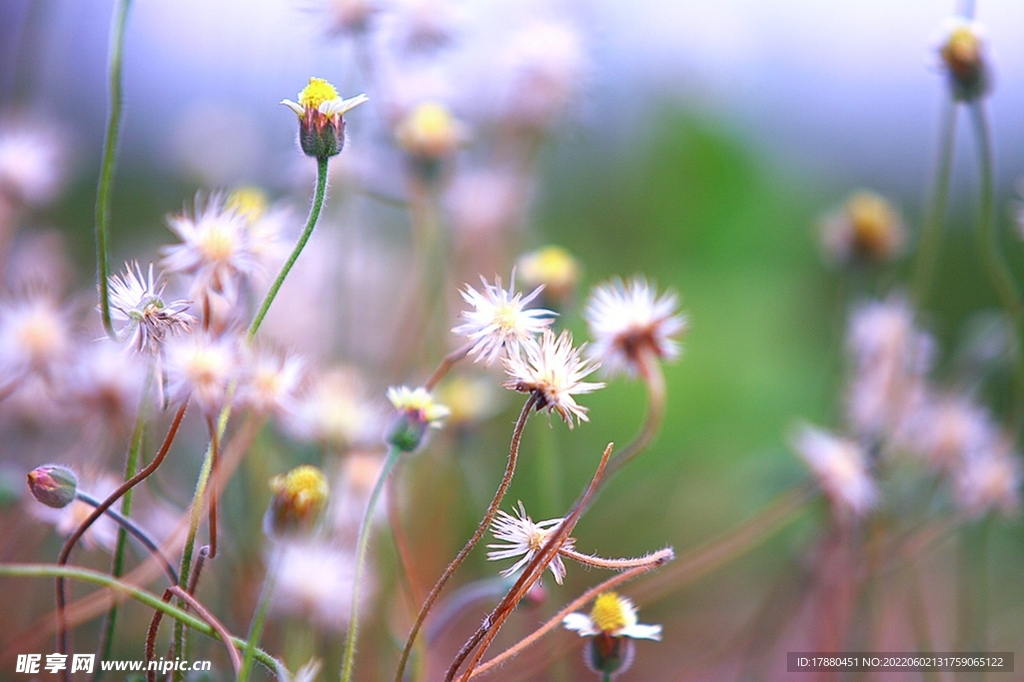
(55, 486)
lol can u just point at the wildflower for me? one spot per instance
(890, 360)
(320, 111)
(102, 380)
(552, 267)
(298, 502)
(471, 399)
(962, 51)
(948, 429)
(34, 336)
(30, 163)
(265, 225)
(989, 480)
(525, 538)
(613, 625)
(270, 381)
(416, 412)
(552, 370)
(201, 367)
(841, 467)
(866, 228)
(628, 322)
(55, 486)
(215, 249)
(137, 301)
(314, 583)
(499, 320)
(429, 132)
(350, 16)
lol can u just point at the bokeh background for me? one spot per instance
(701, 144)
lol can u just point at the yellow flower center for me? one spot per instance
(39, 336)
(305, 487)
(248, 202)
(608, 613)
(874, 223)
(218, 243)
(316, 93)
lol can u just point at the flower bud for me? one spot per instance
(320, 111)
(429, 134)
(963, 54)
(416, 412)
(55, 486)
(555, 269)
(300, 498)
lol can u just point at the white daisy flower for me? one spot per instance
(215, 249)
(841, 467)
(306, 673)
(499, 320)
(35, 336)
(30, 163)
(613, 615)
(270, 382)
(989, 480)
(552, 369)
(627, 320)
(525, 538)
(200, 367)
(136, 300)
(417, 411)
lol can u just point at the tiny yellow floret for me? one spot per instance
(609, 613)
(305, 487)
(316, 93)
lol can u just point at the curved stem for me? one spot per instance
(408, 571)
(654, 380)
(446, 364)
(361, 546)
(991, 254)
(499, 495)
(931, 231)
(222, 632)
(129, 527)
(115, 78)
(314, 214)
(101, 508)
(131, 591)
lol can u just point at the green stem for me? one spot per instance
(139, 595)
(314, 215)
(256, 627)
(116, 77)
(127, 526)
(117, 567)
(931, 232)
(361, 545)
(991, 254)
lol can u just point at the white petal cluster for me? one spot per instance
(841, 467)
(499, 320)
(524, 538)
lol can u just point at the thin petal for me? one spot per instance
(581, 623)
(641, 631)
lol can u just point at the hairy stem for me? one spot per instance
(446, 364)
(499, 495)
(222, 632)
(119, 22)
(614, 564)
(361, 546)
(314, 214)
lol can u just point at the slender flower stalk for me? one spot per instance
(314, 214)
(931, 233)
(485, 522)
(236, 660)
(991, 254)
(129, 527)
(258, 619)
(115, 80)
(362, 543)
